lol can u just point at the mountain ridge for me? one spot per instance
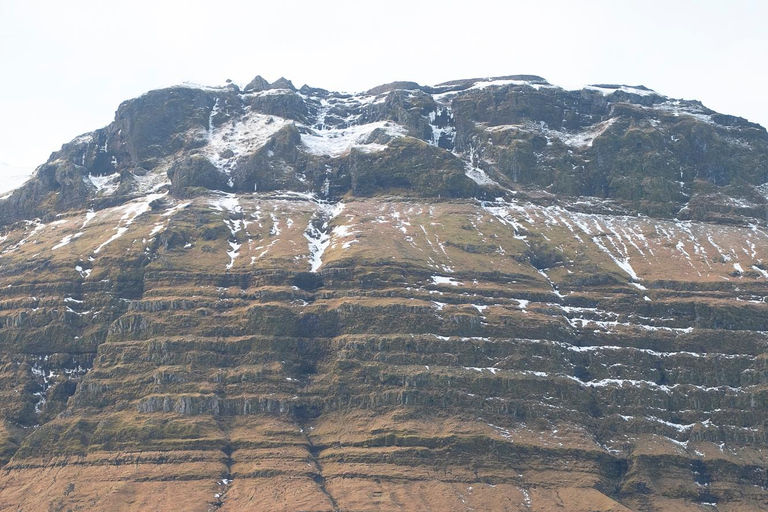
(407, 113)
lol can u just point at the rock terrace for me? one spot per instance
(491, 294)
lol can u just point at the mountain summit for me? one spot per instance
(488, 294)
(630, 146)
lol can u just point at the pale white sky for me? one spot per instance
(66, 65)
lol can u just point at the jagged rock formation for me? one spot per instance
(485, 295)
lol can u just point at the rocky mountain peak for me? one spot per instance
(641, 151)
(258, 84)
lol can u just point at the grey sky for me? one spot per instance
(66, 65)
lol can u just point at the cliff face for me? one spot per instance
(483, 295)
(628, 146)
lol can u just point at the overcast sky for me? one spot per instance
(66, 65)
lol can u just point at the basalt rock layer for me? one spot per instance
(484, 295)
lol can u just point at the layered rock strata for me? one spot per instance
(484, 295)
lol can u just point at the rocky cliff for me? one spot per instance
(490, 294)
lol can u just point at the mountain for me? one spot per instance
(489, 294)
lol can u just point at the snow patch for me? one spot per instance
(66, 240)
(446, 280)
(226, 203)
(488, 82)
(89, 215)
(132, 210)
(340, 141)
(239, 137)
(105, 185)
(608, 90)
(233, 253)
(317, 233)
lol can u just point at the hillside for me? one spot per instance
(490, 294)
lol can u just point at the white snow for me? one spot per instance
(491, 369)
(342, 231)
(152, 181)
(175, 209)
(320, 238)
(499, 82)
(446, 280)
(501, 431)
(621, 261)
(439, 132)
(606, 91)
(46, 384)
(526, 498)
(677, 108)
(234, 253)
(89, 215)
(66, 240)
(339, 141)
(275, 230)
(676, 426)
(586, 137)
(575, 139)
(474, 173)
(195, 85)
(238, 137)
(478, 176)
(226, 203)
(84, 273)
(105, 185)
(131, 211)
(155, 230)
(270, 92)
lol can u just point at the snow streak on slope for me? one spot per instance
(230, 203)
(131, 211)
(633, 242)
(318, 233)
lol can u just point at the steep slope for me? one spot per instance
(485, 295)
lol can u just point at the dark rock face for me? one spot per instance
(409, 165)
(195, 171)
(152, 126)
(284, 103)
(649, 153)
